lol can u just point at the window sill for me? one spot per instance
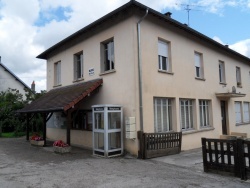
(78, 80)
(166, 72)
(57, 85)
(243, 123)
(239, 86)
(197, 131)
(107, 72)
(202, 79)
(222, 83)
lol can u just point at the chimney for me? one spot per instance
(168, 14)
(33, 86)
(227, 45)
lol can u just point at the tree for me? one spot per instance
(11, 101)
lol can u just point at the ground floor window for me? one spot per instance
(186, 114)
(163, 114)
(82, 120)
(204, 113)
(238, 113)
(246, 112)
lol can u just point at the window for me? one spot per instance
(222, 72)
(57, 73)
(246, 112)
(82, 120)
(163, 58)
(238, 76)
(238, 112)
(78, 66)
(163, 114)
(107, 55)
(198, 65)
(204, 113)
(186, 111)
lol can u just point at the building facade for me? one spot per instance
(188, 82)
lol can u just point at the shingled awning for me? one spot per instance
(63, 98)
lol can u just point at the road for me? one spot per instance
(26, 166)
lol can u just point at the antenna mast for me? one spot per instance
(188, 9)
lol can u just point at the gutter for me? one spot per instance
(140, 68)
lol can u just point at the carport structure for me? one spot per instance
(65, 99)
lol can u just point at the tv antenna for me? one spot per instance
(188, 8)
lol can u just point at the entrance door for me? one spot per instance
(223, 117)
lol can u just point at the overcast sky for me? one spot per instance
(28, 27)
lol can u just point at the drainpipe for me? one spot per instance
(140, 69)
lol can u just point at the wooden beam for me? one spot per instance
(68, 126)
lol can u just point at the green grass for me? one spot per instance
(12, 134)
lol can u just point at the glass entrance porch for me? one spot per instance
(107, 130)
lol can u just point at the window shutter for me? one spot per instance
(197, 60)
(162, 49)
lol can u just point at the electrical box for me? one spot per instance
(131, 135)
(130, 127)
(130, 120)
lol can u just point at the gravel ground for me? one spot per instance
(26, 166)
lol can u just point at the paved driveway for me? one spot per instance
(25, 166)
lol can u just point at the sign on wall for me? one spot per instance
(91, 72)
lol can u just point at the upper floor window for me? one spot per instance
(186, 114)
(163, 114)
(163, 55)
(222, 72)
(107, 55)
(57, 73)
(198, 65)
(238, 77)
(78, 66)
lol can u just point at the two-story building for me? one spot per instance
(167, 75)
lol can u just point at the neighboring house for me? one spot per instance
(9, 80)
(162, 72)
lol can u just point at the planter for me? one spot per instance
(61, 149)
(37, 143)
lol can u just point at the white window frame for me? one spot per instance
(238, 77)
(57, 73)
(163, 114)
(187, 106)
(246, 114)
(78, 66)
(163, 53)
(238, 112)
(222, 76)
(198, 63)
(204, 107)
(107, 55)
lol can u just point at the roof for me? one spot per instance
(63, 98)
(18, 79)
(78, 36)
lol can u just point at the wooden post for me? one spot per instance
(204, 154)
(27, 126)
(44, 128)
(68, 126)
(240, 167)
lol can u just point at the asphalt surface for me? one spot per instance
(26, 166)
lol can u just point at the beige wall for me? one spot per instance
(121, 86)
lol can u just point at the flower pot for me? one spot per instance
(62, 149)
(37, 143)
